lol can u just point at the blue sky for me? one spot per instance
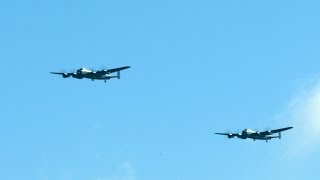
(197, 67)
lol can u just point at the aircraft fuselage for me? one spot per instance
(260, 135)
(85, 73)
(255, 135)
(104, 74)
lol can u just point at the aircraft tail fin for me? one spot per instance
(279, 135)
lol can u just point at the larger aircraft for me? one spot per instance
(93, 75)
(263, 135)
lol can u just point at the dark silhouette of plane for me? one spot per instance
(93, 75)
(263, 135)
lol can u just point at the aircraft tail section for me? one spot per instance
(279, 135)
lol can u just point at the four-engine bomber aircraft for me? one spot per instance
(263, 135)
(90, 74)
(107, 74)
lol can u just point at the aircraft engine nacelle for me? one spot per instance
(243, 132)
(65, 75)
(80, 71)
(230, 136)
(76, 75)
(241, 136)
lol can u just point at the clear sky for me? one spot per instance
(197, 67)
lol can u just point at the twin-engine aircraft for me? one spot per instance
(93, 75)
(263, 135)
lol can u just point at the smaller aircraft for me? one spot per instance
(93, 75)
(263, 135)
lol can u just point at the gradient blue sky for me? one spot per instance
(197, 67)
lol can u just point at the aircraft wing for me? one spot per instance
(282, 129)
(275, 131)
(65, 75)
(230, 135)
(117, 69)
(57, 73)
(222, 133)
(112, 70)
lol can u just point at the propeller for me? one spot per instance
(62, 71)
(229, 131)
(93, 69)
(103, 67)
(66, 72)
(267, 129)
